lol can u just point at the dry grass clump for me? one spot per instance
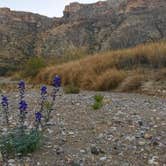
(109, 79)
(132, 83)
(160, 75)
(107, 71)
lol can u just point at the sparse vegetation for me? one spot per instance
(22, 139)
(132, 82)
(14, 142)
(98, 102)
(33, 66)
(71, 89)
(110, 70)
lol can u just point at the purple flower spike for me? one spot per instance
(4, 101)
(57, 81)
(21, 85)
(23, 106)
(38, 116)
(43, 90)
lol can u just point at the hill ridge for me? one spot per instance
(99, 26)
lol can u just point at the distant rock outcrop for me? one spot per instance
(101, 26)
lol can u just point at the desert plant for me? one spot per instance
(98, 102)
(98, 98)
(15, 143)
(132, 83)
(46, 105)
(21, 139)
(97, 105)
(105, 71)
(109, 79)
(5, 107)
(22, 106)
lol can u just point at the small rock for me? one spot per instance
(154, 141)
(82, 151)
(130, 138)
(50, 131)
(141, 143)
(4, 129)
(100, 136)
(147, 136)
(11, 161)
(71, 133)
(140, 123)
(153, 161)
(95, 150)
(103, 158)
(59, 150)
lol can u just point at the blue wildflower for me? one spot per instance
(21, 85)
(43, 90)
(38, 116)
(4, 101)
(23, 106)
(57, 81)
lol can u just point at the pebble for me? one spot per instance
(103, 158)
(50, 131)
(11, 161)
(130, 124)
(153, 161)
(82, 151)
(130, 138)
(59, 150)
(38, 163)
(95, 150)
(141, 143)
(155, 141)
(71, 133)
(147, 136)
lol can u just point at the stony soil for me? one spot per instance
(129, 130)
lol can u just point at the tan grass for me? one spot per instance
(106, 71)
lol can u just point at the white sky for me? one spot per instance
(51, 8)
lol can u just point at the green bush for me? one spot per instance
(98, 102)
(98, 98)
(97, 105)
(14, 142)
(33, 66)
(71, 89)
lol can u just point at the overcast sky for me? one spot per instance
(49, 8)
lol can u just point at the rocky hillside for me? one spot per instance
(96, 27)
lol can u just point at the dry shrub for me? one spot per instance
(105, 71)
(160, 75)
(110, 79)
(132, 83)
(146, 55)
(33, 66)
(87, 82)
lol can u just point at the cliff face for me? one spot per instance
(18, 34)
(100, 26)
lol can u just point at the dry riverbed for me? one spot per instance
(129, 130)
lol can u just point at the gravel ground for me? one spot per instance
(129, 130)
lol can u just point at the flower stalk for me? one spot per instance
(22, 105)
(5, 107)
